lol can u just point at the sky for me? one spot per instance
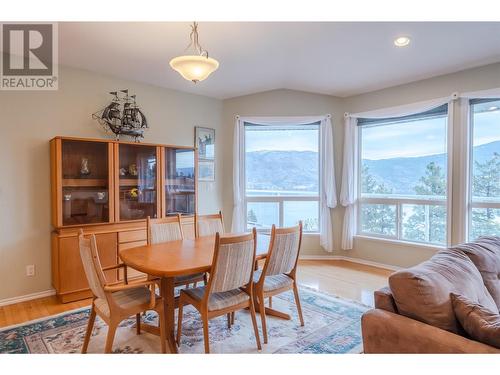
(426, 137)
(282, 140)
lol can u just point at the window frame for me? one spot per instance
(471, 204)
(280, 199)
(399, 201)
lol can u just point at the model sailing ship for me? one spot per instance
(123, 116)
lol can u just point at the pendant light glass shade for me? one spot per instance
(194, 68)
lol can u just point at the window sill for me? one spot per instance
(400, 242)
(310, 234)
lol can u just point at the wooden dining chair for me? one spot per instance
(165, 230)
(279, 272)
(208, 225)
(230, 285)
(114, 302)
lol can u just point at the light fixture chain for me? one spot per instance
(194, 37)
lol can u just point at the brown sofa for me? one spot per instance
(414, 314)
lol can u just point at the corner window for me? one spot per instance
(282, 175)
(403, 177)
(484, 207)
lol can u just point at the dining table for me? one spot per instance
(172, 259)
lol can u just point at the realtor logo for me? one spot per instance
(29, 56)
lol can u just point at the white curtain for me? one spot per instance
(239, 214)
(328, 191)
(328, 195)
(483, 94)
(349, 193)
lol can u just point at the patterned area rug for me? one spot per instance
(332, 325)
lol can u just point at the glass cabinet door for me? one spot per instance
(85, 182)
(179, 181)
(137, 193)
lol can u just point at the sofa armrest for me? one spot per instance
(386, 332)
(384, 300)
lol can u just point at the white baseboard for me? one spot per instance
(353, 260)
(27, 297)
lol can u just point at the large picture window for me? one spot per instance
(484, 214)
(282, 175)
(403, 177)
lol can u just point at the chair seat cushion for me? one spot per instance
(220, 300)
(126, 299)
(273, 282)
(189, 279)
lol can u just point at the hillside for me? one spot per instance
(403, 174)
(280, 170)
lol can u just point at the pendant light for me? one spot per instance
(196, 66)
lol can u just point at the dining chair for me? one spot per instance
(116, 302)
(230, 285)
(278, 274)
(208, 225)
(165, 230)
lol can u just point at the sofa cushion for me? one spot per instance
(423, 292)
(485, 254)
(480, 323)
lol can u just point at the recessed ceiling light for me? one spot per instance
(492, 108)
(402, 41)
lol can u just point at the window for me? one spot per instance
(282, 175)
(484, 214)
(403, 177)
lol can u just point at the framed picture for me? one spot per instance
(206, 170)
(204, 141)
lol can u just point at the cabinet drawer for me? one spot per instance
(133, 235)
(129, 245)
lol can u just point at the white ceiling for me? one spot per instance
(340, 59)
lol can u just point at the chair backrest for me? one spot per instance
(92, 265)
(164, 230)
(233, 262)
(283, 250)
(208, 225)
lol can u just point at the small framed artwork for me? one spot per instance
(204, 141)
(206, 170)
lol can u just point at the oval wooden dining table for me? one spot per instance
(177, 258)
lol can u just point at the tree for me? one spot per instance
(428, 222)
(486, 183)
(251, 217)
(376, 218)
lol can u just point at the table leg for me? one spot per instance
(167, 292)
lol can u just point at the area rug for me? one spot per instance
(332, 325)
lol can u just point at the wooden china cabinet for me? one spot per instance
(109, 188)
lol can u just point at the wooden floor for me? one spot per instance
(338, 277)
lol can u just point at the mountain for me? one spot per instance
(403, 174)
(280, 170)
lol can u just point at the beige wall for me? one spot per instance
(284, 103)
(30, 119)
